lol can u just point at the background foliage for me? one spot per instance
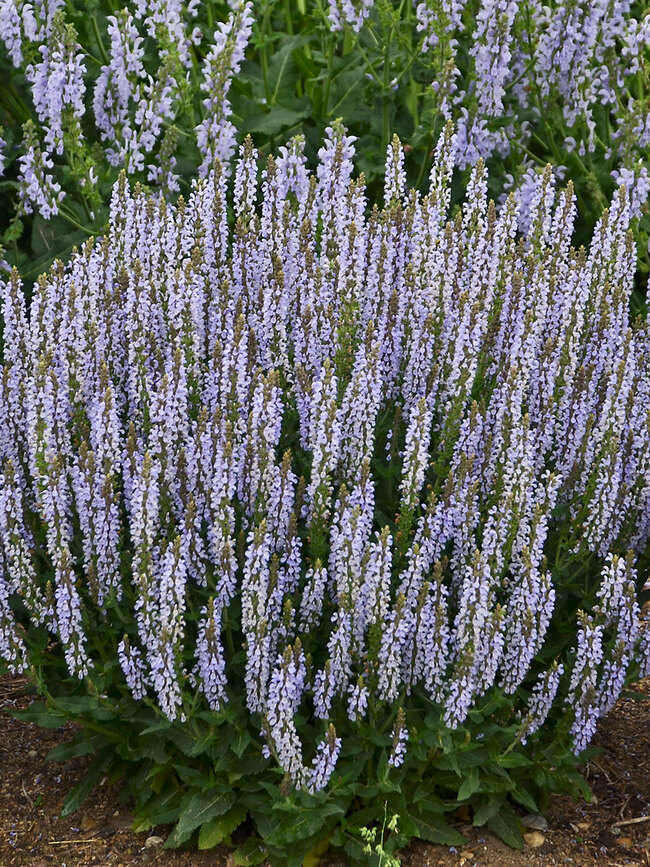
(566, 84)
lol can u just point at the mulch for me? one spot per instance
(613, 829)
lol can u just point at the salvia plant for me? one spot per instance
(160, 88)
(337, 514)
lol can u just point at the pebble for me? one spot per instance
(152, 841)
(533, 820)
(535, 839)
(88, 823)
(32, 754)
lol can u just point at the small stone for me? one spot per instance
(583, 826)
(535, 821)
(88, 823)
(467, 854)
(152, 841)
(535, 839)
(115, 815)
(32, 754)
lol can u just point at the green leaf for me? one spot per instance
(161, 810)
(275, 121)
(433, 828)
(190, 776)
(14, 231)
(251, 852)
(218, 829)
(469, 786)
(200, 808)
(39, 713)
(86, 706)
(355, 850)
(78, 795)
(513, 760)
(487, 810)
(297, 826)
(634, 694)
(282, 76)
(523, 796)
(238, 746)
(78, 746)
(506, 826)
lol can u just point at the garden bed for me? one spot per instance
(32, 790)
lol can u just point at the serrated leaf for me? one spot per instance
(355, 850)
(433, 828)
(190, 776)
(513, 760)
(313, 857)
(39, 713)
(282, 77)
(216, 830)
(251, 852)
(487, 810)
(469, 786)
(79, 746)
(300, 825)
(275, 121)
(239, 744)
(161, 810)
(199, 809)
(78, 795)
(506, 826)
(523, 796)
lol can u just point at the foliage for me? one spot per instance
(336, 512)
(526, 83)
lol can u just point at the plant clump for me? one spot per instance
(335, 512)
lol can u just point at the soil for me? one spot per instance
(612, 830)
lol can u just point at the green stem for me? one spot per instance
(264, 55)
(425, 158)
(372, 69)
(70, 217)
(328, 83)
(385, 109)
(287, 17)
(98, 39)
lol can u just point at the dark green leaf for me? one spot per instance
(275, 121)
(198, 810)
(216, 830)
(513, 760)
(39, 713)
(78, 746)
(251, 852)
(506, 826)
(78, 795)
(523, 796)
(301, 825)
(487, 810)
(161, 810)
(469, 786)
(432, 827)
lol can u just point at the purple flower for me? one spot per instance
(351, 12)
(37, 187)
(400, 735)
(324, 762)
(215, 135)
